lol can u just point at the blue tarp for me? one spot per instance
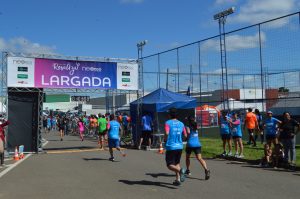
(161, 100)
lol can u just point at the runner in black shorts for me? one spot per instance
(194, 145)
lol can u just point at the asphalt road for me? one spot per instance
(74, 169)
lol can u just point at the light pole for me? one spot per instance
(140, 45)
(221, 17)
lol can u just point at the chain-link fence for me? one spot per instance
(262, 71)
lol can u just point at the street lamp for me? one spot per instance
(140, 45)
(221, 17)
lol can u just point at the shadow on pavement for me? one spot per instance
(269, 169)
(148, 183)
(97, 159)
(156, 175)
(66, 148)
(297, 174)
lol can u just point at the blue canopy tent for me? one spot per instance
(157, 104)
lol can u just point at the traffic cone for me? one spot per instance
(16, 156)
(21, 151)
(161, 149)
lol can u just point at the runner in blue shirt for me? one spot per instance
(147, 127)
(114, 128)
(48, 124)
(236, 131)
(194, 145)
(270, 125)
(174, 130)
(225, 133)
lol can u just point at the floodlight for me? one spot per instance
(142, 43)
(224, 13)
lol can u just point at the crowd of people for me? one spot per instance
(278, 137)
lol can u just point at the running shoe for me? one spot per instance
(182, 175)
(229, 154)
(112, 159)
(241, 156)
(177, 183)
(236, 155)
(207, 174)
(188, 172)
(223, 154)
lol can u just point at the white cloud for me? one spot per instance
(132, 1)
(230, 71)
(255, 11)
(221, 2)
(23, 45)
(234, 42)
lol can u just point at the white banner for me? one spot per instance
(127, 76)
(20, 72)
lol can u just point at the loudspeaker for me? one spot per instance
(23, 111)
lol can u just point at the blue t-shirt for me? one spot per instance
(271, 124)
(48, 121)
(236, 129)
(147, 122)
(193, 139)
(113, 131)
(224, 127)
(174, 141)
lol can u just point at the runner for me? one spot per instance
(237, 135)
(174, 131)
(81, 128)
(48, 124)
(114, 129)
(251, 124)
(102, 124)
(194, 145)
(61, 127)
(147, 127)
(225, 133)
(2, 140)
(271, 125)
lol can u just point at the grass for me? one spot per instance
(211, 147)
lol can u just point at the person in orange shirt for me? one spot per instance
(251, 124)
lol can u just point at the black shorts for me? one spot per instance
(146, 134)
(250, 131)
(196, 150)
(235, 137)
(102, 133)
(173, 157)
(270, 137)
(226, 136)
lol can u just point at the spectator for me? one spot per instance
(251, 124)
(259, 131)
(278, 155)
(125, 124)
(266, 160)
(271, 129)
(225, 133)
(236, 131)
(147, 127)
(288, 138)
(2, 140)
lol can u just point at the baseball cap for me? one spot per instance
(270, 112)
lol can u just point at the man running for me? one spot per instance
(174, 131)
(147, 126)
(102, 124)
(114, 129)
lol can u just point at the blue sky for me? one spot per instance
(111, 28)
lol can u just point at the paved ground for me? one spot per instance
(75, 169)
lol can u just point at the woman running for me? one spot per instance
(194, 145)
(81, 128)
